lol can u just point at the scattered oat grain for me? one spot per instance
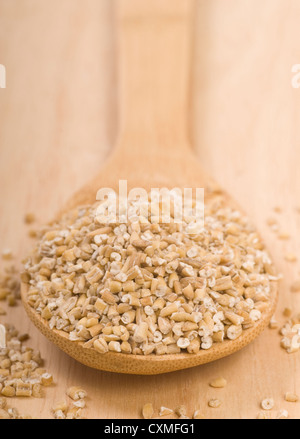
(29, 218)
(76, 393)
(290, 257)
(181, 410)
(271, 221)
(287, 312)
(295, 287)
(60, 406)
(46, 379)
(10, 285)
(7, 254)
(165, 411)
(148, 411)
(282, 414)
(273, 324)
(79, 404)
(267, 404)
(198, 415)
(291, 397)
(3, 403)
(218, 383)
(32, 233)
(59, 414)
(8, 391)
(214, 403)
(291, 334)
(284, 235)
(74, 413)
(2, 337)
(37, 391)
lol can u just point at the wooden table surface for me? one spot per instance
(58, 123)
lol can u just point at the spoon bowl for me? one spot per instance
(145, 364)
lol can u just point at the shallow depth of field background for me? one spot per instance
(58, 123)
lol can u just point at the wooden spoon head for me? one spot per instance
(146, 364)
(187, 174)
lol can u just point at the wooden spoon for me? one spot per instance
(153, 150)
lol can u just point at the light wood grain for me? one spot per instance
(59, 106)
(153, 150)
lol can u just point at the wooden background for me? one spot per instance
(58, 123)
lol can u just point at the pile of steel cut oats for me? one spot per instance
(150, 288)
(21, 371)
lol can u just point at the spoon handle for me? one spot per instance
(154, 73)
